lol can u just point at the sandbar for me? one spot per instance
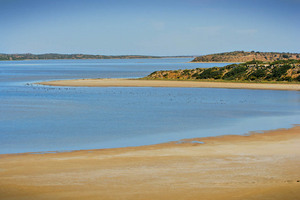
(168, 83)
(232, 167)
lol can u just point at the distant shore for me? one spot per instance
(56, 56)
(257, 166)
(211, 62)
(168, 83)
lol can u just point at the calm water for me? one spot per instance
(41, 118)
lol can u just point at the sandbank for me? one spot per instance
(232, 167)
(168, 83)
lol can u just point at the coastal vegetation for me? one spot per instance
(253, 71)
(243, 56)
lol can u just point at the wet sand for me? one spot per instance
(168, 83)
(257, 166)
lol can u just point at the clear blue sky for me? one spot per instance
(156, 27)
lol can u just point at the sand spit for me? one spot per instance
(259, 166)
(166, 83)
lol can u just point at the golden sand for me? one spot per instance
(259, 166)
(168, 83)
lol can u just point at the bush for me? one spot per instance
(209, 73)
(235, 72)
(186, 72)
(230, 66)
(258, 74)
(289, 61)
(279, 71)
(285, 56)
(253, 62)
(195, 75)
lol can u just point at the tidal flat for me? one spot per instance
(258, 166)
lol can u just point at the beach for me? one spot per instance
(168, 83)
(254, 166)
(149, 100)
(229, 167)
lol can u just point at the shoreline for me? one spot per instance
(166, 57)
(214, 62)
(254, 166)
(187, 141)
(168, 83)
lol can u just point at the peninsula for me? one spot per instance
(250, 75)
(255, 71)
(244, 56)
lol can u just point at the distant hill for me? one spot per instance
(281, 70)
(51, 56)
(243, 56)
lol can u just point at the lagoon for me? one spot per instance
(36, 118)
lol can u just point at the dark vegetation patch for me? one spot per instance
(279, 70)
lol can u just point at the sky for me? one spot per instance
(154, 27)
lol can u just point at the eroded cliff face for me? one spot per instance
(282, 70)
(242, 56)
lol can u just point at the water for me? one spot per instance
(43, 118)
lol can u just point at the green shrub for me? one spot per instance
(235, 73)
(210, 73)
(186, 72)
(195, 75)
(285, 56)
(281, 70)
(253, 62)
(258, 74)
(230, 66)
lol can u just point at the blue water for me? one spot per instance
(43, 118)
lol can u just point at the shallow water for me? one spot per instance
(44, 118)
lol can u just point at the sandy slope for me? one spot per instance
(260, 166)
(165, 83)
